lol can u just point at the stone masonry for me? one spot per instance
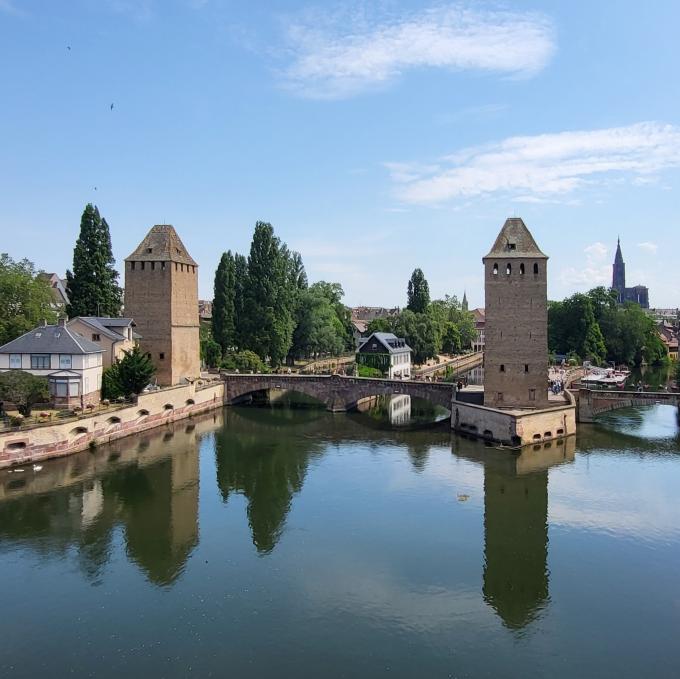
(161, 295)
(516, 330)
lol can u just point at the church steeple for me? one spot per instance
(464, 304)
(619, 272)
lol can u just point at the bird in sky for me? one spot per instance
(68, 47)
(112, 107)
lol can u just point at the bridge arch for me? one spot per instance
(594, 402)
(337, 392)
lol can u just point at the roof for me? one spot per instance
(105, 325)
(515, 241)
(392, 343)
(479, 314)
(51, 339)
(360, 326)
(161, 244)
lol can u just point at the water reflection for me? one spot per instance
(515, 578)
(149, 489)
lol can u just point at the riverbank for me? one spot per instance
(41, 442)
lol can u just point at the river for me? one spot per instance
(282, 542)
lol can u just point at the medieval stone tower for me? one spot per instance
(516, 351)
(161, 294)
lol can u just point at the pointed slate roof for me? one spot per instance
(161, 244)
(515, 241)
(618, 258)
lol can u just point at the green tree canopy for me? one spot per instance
(224, 303)
(418, 293)
(92, 286)
(23, 389)
(131, 374)
(25, 298)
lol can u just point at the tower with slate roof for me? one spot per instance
(516, 330)
(161, 294)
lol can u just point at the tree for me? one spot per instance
(211, 352)
(92, 287)
(132, 373)
(224, 303)
(23, 389)
(419, 332)
(25, 298)
(572, 326)
(418, 293)
(677, 374)
(240, 288)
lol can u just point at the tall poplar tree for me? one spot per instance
(92, 287)
(240, 288)
(224, 311)
(418, 293)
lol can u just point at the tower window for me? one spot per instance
(502, 367)
(499, 397)
(495, 269)
(132, 266)
(532, 394)
(526, 367)
(535, 268)
(161, 356)
(521, 269)
(153, 266)
(162, 266)
(512, 246)
(142, 266)
(148, 250)
(508, 269)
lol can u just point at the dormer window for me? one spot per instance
(512, 246)
(149, 250)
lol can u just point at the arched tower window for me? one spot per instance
(535, 268)
(508, 269)
(495, 269)
(521, 269)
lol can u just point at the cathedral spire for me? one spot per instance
(619, 272)
(464, 304)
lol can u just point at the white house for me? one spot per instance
(387, 353)
(71, 363)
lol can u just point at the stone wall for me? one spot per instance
(515, 428)
(151, 410)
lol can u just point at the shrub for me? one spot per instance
(245, 362)
(367, 371)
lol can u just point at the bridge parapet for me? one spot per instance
(593, 402)
(339, 393)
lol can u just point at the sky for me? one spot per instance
(376, 137)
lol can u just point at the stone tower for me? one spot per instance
(161, 294)
(516, 351)
(619, 273)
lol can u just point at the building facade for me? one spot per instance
(516, 320)
(71, 363)
(638, 293)
(114, 335)
(388, 353)
(161, 294)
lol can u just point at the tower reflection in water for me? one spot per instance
(516, 576)
(150, 489)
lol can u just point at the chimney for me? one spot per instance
(61, 322)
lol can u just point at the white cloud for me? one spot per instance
(594, 270)
(541, 166)
(596, 250)
(338, 57)
(648, 247)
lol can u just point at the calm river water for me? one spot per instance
(295, 543)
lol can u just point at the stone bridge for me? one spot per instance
(337, 392)
(593, 402)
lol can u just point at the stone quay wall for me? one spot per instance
(154, 409)
(512, 427)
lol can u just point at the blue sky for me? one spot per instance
(376, 137)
